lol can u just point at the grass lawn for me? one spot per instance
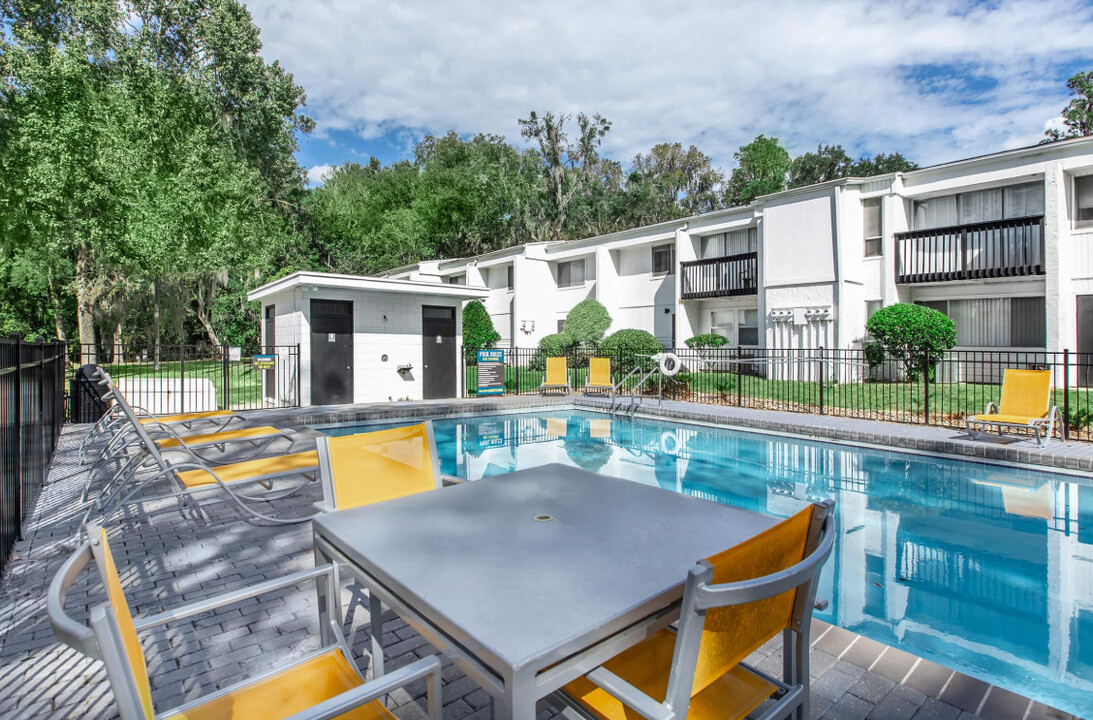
(244, 382)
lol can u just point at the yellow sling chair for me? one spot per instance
(557, 376)
(325, 683)
(1025, 403)
(599, 376)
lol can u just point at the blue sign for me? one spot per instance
(491, 372)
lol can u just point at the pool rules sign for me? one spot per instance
(491, 372)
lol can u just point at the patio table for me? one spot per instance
(531, 579)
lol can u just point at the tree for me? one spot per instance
(569, 165)
(881, 164)
(706, 340)
(478, 329)
(630, 348)
(673, 182)
(827, 163)
(1078, 113)
(911, 334)
(762, 168)
(587, 322)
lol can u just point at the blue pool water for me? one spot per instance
(981, 568)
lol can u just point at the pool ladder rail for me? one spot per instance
(618, 394)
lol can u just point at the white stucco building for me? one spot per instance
(1002, 243)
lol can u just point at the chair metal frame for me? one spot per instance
(608, 389)
(103, 641)
(1046, 423)
(700, 595)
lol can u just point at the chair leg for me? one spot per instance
(375, 628)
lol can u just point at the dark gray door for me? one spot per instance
(1085, 341)
(438, 349)
(271, 349)
(331, 352)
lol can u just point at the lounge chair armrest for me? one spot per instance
(992, 409)
(70, 632)
(629, 695)
(451, 480)
(230, 598)
(343, 703)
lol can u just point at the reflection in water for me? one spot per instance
(985, 569)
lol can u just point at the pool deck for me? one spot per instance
(167, 556)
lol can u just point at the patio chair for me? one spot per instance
(1025, 403)
(733, 602)
(557, 376)
(371, 467)
(322, 684)
(599, 376)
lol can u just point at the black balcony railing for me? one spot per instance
(996, 249)
(720, 277)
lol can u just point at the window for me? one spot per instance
(1015, 201)
(457, 280)
(871, 307)
(727, 244)
(511, 277)
(741, 327)
(561, 325)
(748, 333)
(1083, 202)
(663, 261)
(872, 227)
(571, 273)
(996, 322)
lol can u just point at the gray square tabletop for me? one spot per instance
(519, 591)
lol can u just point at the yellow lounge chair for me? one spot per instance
(557, 376)
(733, 602)
(217, 418)
(220, 439)
(371, 467)
(599, 376)
(1025, 403)
(326, 680)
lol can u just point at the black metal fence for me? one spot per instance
(195, 378)
(937, 391)
(32, 401)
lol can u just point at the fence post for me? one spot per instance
(926, 387)
(226, 377)
(181, 378)
(299, 400)
(821, 379)
(1066, 394)
(18, 432)
(739, 379)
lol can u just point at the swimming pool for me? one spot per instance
(981, 568)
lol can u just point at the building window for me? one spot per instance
(571, 273)
(457, 280)
(1083, 202)
(872, 227)
(561, 325)
(996, 322)
(663, 261)
(748, 332)
(727, 244)
(511, 277)
(1015, 201)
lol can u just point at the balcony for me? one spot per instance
(995, 249)
(720, 277)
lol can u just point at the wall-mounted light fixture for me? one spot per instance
(527, 326)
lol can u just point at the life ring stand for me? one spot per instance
(670, 364)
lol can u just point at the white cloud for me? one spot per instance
(318, 175)
(715, 74)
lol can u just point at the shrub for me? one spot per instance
(478, 329)
(706, 340)
(552, 346)
(627, 348)
(909, 333)
(587, 322)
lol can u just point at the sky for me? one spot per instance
(939, 80)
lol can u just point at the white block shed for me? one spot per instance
(365, 339)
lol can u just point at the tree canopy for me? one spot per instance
(1077, 116)
(762, 167)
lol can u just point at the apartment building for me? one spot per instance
(1002, 243)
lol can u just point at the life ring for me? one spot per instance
(669, 364)
(669, 443)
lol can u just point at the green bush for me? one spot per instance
(706, 340)
(587, 322)
(627, 348)
(478, 329)
(908, 333)
(552, 346)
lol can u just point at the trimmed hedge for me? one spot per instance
(909, 333)
(478, 329)
(627, 347)
(706, 340)
(552, 346)
(587, 322)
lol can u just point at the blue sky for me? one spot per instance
(937, 80)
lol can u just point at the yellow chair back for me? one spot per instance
(130, 642)
(382, 465)
(556, 371)
(599, 371)
(1025, 392)
(731, 633)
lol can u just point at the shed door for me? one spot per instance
(1085, 341)
(438, 352)
(331, 352)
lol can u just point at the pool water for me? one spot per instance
(981, 568)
